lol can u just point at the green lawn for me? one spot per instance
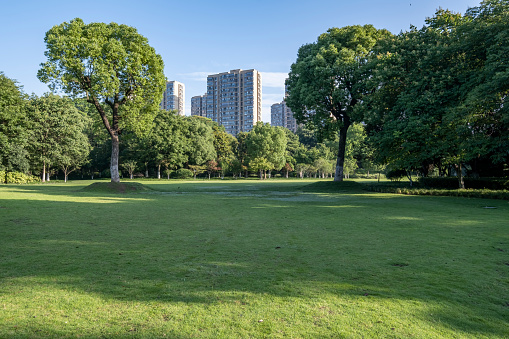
(274, 259)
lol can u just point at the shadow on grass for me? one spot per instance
(194, 249)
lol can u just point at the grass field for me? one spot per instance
(250, 259)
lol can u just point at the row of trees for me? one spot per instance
(40, 133)
(431, 98)
(50, 134)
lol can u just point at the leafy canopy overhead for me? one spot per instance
(324, 84)
(106, 63)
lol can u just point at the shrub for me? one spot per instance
(182, 173)
(17, 178)
(473, 183)
(395, 175)
(465, 193)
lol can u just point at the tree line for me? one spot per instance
(430, 101)
(53, 135)
(433, 100)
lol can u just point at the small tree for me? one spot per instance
(130, 167)
(212, 167)
(260, 165)
(197, 169)
(287, 168)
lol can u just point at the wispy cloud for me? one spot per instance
(195, 76)
(274, 79)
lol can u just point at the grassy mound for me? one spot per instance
(116, 187)
(333, 187)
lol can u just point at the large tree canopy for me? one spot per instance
(439, 92)
(113, 67)
(326, 82)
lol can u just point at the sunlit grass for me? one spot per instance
(247, 258)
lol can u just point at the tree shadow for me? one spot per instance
(141, 250)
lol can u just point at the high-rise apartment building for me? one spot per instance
(199, 105)
(234, 99)
(282, 115)
(173, 97)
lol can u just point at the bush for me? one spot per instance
(182, 173)
(395, 175)
(472, 183)
(466, 193)
(17, 178)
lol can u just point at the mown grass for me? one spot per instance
(285, 258)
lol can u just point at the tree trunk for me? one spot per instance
(287, 174)
(43, 171)
(159, 171)
(115, 176)
(461, 182)
(409, 176)
(338, 176)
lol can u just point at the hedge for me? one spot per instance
(473, 183)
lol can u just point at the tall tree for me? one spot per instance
(113, 67)
(13, 126)
(439, 92)
(325, 83)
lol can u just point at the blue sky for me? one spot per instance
(197, 38)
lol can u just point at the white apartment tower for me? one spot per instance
(173, 97)
(234, 99)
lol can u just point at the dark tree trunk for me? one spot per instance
(461, 181)
(338, 176)
(115, 176)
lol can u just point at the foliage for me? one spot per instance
(130, 167)
(326, 82)
(17, 178)
(197, 169)
(473, 183)
(201, 139)
(224, 145)
(183, 173)
(450, 192)
(261, 165)
(113, 67)
(166, 143)
(57, 135)
(13, 126)
(395, 174)
(266, 147)
(212, 167)
(439, 92)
